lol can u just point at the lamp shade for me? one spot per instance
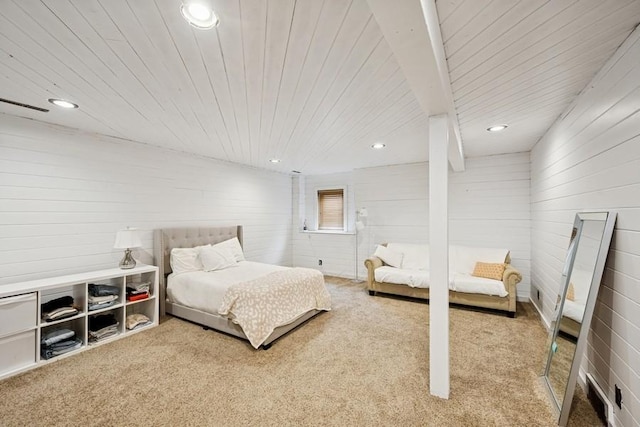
(363, 212)
(128, 238)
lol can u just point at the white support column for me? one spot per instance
(438, 257)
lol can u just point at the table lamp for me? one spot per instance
(127, 239)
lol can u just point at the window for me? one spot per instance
(331, 209)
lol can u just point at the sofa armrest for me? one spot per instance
(511, 278)
(372, 263)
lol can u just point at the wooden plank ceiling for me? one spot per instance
(523, 62)
(311, 82)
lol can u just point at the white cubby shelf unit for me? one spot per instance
(22, 326)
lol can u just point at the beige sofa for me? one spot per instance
(461, 259)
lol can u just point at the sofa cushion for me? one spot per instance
(389, 256)
(477, 285)
(401, 276)
(462, 259)
(415, 256)
(457, 282)
(487, 270)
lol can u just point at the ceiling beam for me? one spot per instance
(412, 29)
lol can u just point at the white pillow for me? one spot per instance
(183, 260)
(233, 245)
(415, 256)
(394, 259)
(217, 258)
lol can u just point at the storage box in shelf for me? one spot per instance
(18, 313)
(17, 352)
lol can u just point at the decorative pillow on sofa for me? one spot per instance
(571, 292)
(394, 259)
(489, 270)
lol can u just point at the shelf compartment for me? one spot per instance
(117, 282)
(100, 328)
(146, 307)
(142, 278)
(76, 325)
(75, 291)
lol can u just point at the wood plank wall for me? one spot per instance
(590, 160)
(489, 206)
(335, 250)
(64, 194)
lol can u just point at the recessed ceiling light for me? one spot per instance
(62, 103)
(497, 128)
(274, 160)
(199, 14)
(378, 146)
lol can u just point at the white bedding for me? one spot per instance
(263, 304)
(204, 290)
(258, 297)
(457, 282)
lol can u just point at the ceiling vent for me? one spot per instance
(20, 104)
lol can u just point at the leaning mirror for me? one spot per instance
(581, 276)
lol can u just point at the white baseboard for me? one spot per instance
(544, 320)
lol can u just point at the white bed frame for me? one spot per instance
(164, 240)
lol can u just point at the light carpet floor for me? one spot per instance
(365, 363)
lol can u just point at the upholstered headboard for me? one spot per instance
(164, 240)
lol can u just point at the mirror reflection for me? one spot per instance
(584, 264)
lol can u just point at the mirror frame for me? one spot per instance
(603, 250)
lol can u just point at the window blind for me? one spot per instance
(331, 209)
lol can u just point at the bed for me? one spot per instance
(196, 296)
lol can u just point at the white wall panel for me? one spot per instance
(489, 206)
(336, 250)
(590, 159)
(65, 193)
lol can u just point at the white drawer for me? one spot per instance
(17, 351)
(18, 313)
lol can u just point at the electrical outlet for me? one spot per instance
(538, 297)
(319, 262)
(618, 396)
